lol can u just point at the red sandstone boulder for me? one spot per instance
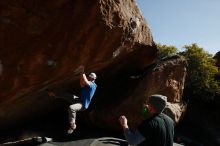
(126, 93)
(42, 43)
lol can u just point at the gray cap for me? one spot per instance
(158, 102)
(92, 75)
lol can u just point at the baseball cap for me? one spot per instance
(158, 102)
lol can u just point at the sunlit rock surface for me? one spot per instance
(43, 43)
(127, 93)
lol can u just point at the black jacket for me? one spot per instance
(158, 131)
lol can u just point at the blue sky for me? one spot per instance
(183, 22)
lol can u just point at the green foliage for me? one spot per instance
(166, 51)
(200, 82)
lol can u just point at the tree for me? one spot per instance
(166, 51)
(200, 82)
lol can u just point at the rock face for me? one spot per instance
(42, 43)
(127, 93)
(217, 58)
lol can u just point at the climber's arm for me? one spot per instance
(83, 80)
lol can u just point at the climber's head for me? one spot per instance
(92, 76)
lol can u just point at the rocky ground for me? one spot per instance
(39, 133)
(103, 141)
